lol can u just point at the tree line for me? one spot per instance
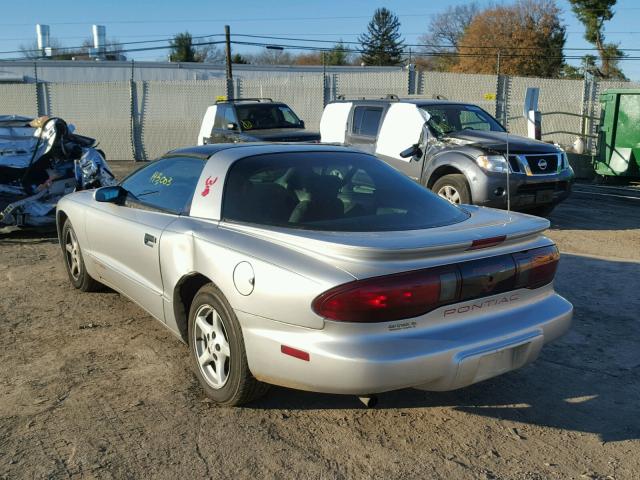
(525, 38)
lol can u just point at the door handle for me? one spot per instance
(149, 240)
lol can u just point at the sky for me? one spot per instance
(138, 20)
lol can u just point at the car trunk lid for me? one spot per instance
(351, 248)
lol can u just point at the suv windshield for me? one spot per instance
(261, 116)
(331, 191)
(446, 119)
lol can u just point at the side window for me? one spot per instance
(229, 116)
(366, 121)
(219, 121)
(167, 184)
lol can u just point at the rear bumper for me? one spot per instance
(426, 353)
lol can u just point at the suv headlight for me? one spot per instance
(565, 160)
(493, 163)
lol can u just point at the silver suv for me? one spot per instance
(456, 149)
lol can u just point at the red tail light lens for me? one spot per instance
(391, 297)
(411, 294)
(536, 267)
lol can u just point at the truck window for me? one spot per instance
(220, 121)
(366, 121)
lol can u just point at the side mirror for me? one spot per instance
(111, 194)
(411, 152)
(301, 124)
(232, 126)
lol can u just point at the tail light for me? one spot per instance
(536, 267)
(411, 294)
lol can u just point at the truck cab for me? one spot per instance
(252, 120)
(456, 149)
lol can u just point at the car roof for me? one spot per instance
(258, 148)
(416, 101)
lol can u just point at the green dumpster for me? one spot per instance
(619, 135)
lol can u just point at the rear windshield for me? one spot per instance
(261, 116)
(331, 191)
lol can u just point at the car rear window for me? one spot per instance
(330, 191)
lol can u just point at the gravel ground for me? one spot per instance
(92, 387)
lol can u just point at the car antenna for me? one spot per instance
(508, 182)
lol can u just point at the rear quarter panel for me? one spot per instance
(286, 282)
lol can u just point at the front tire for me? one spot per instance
(217, 350)
(74, 262)
(453, 187)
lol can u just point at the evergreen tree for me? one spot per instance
(182, 48)
(381, 42)
(338, 55)
(593, 14)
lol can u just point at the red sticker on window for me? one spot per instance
(208, 183)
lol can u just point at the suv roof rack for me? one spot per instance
(389, 96)
(232, 100)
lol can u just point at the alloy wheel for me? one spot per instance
(449, 192)
(212, 346)
(72, 254)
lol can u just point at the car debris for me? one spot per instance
(41, 160)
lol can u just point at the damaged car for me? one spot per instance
(317, 267)
(41, 160)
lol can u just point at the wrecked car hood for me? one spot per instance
(41, 160)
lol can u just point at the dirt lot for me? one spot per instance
(92, 387)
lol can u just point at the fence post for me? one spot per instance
(502, 100)
(412, 73)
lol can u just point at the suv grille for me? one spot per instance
(542, 164)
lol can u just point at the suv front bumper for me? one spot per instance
(526, 191)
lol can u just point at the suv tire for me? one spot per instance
(453, 187)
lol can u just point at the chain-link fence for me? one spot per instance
(143, 119)
(170, 113)
(477, 89)
(303, 93)
(98, 110)
(19, 99)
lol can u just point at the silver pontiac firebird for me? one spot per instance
(319, 268)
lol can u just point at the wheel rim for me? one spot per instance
(72, 254)
(450, 193)
(212, 346)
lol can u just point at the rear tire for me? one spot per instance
(74, 262)
(217, 350)
(453, 187)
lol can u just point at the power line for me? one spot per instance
(494, 47)
(260, 19)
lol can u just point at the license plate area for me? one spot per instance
(478, 364)
(502, 361)
(544, 196)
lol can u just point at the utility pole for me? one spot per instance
(227, 34)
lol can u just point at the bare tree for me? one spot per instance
(447, 28)
(271, 57)
(31, 51)
(209, 54)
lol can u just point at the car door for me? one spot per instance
(402, 127)
(364, 125)
(124, 239)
